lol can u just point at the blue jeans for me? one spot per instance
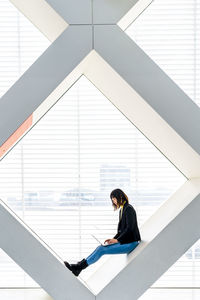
(115, 248)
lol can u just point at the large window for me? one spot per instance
(59, 177)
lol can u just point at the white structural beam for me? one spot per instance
(43, 16)
(147, 97)
(38, 260)
(166, 236)
(51, 17)
(59, 66)
(133, 13)
(73, 11)
(116, 13)
(43, 83)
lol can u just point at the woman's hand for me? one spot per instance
(111, 241)
(106, 241)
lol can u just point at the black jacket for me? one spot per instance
(127, 230)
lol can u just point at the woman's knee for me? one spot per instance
(101, 249)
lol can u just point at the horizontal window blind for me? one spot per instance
(169, 32)
(59, 177)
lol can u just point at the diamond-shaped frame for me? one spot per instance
(95, 45)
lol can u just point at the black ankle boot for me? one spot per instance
(68, 265)
(77, 268)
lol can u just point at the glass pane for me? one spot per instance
(60, 175)
(169, 32)
(21, 43)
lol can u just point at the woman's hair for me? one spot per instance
(120, 196)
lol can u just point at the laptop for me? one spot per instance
(98, 240)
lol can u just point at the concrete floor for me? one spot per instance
(172, 294)
(23, 294)
(151, 294)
